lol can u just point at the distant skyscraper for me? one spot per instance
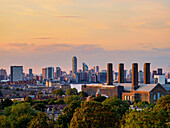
(43, 73)
(58, 72)
(74, 65)
(3, 74)
(96, 69)
(141, 77)
(16, 73)
(154, 72)
(49, 73)
(30, 74)
(115, 76)
(85, 67)
(159, 71)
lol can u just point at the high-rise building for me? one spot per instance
(58, 72)
(159, 79)
(30, 74)
(3, 74)
(115, 76)
(49, 73)
(85, 67)
(16, 73)
(141, 77)
(154, 72)
(167, 75)
(43, 74)
(96, 69)
(74, 65)
(121, 73)
(129, 76)
(109, 74)
(146, 73)
(134, 76)
(159, 71)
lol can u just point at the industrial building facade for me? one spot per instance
(128, 91)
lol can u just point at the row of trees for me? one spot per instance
(22, 115)
(99, 112)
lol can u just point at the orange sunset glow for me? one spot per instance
(38, 33)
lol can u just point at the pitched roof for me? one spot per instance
(146, 87)
(166, 87)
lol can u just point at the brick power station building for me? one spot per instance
(128, 91)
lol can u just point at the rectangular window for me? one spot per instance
(158, 95)
(154, 97)
(130, 98)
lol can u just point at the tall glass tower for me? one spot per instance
(85, 67)
(74, 65)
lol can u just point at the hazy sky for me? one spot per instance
(39, 33)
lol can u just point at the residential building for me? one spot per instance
(16, 73)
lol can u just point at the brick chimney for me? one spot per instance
(146, 73)
(121, 73)
(109, 74)
(134, 76)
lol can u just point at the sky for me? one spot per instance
(41, 33)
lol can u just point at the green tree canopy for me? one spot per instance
(29, 100)
(58, 92)
(164, 102)
(51, 102)
(72, 91)
(6, 103)
(94, 115)
(40, 121)
(120, 106)
(72, 98)
(63, 121)
(18, 115)
(156, 117)
(4, 122)
(39, 107)
(98, 99)
(83, 94)
(147, 118)
(141, 104)
(59, 101)
(1, 93)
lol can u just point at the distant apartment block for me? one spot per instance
(16, 73)
(159, 79)
(3, 74)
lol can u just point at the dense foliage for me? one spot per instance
(63, 121)
(72, 98)
(99, 112)
(94, 115)
(156, 117)
(72, 91)
(58, 92)
(98, 98)
(17, 116)
(6, 103)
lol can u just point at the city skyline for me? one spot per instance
(84, 63)
(38, 33)
(80, 67)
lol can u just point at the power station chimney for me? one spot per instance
(146, 73)
(134, 76)
(109, 74)
(121, 73)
